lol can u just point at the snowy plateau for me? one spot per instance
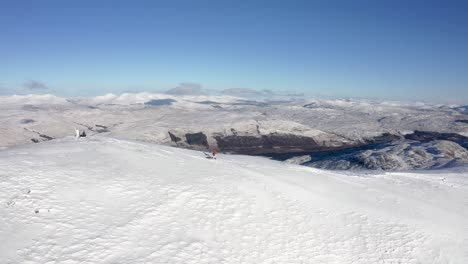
(102, 200)
(139, 189)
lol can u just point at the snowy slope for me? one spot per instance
(103, 200)
(400, 155)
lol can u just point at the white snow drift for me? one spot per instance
(102, 200)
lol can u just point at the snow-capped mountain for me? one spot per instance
(104, 200)
(31, 99)
(230, 124)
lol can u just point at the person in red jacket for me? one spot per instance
(214, 154)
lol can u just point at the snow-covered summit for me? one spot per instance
(103, 200)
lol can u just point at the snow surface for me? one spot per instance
(104, 200)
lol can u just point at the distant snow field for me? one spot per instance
(104, 200)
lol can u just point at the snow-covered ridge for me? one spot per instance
(32, 99)
(403, 155)
(102, 200)
(144, 97)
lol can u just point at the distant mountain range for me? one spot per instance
(271, 127)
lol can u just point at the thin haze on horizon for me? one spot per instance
(412, 50)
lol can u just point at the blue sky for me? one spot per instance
(385, 49)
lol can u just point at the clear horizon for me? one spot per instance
(394, 50)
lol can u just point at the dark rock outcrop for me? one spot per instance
(173, 137)
(277, 143)
(384, 138)
(271, 143)
(196, 139)
(427, 136)
(311, 105)
(46, 137)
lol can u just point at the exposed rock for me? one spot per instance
(427, 136)
(271, 143)
(277, 143)
(311, 105)
(233, 131)
(46, 137)
(384, 138)
(40, 135)
(173, 137)
(197, 139)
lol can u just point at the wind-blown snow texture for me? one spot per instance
(103, 200)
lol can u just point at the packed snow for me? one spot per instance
(105, 200)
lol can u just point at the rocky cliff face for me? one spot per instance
(196, 139)
(270, 143)
(267, 144)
